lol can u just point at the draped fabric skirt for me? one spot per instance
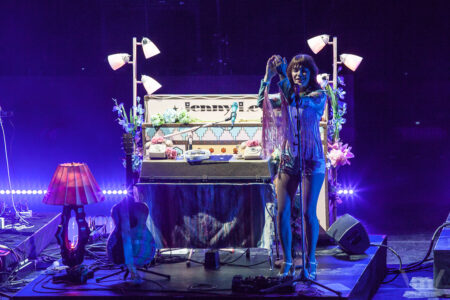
(208, 215)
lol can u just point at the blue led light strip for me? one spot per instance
(42, 192)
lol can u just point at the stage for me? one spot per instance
(183, 115)
(21, 246)
(354, 276)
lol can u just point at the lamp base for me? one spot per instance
(77, 274)
(72, 255)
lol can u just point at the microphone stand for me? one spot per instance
(303, 276)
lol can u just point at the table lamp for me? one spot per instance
(72, 187)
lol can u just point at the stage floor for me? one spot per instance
(355, 276)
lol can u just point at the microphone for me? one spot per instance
(234, 108)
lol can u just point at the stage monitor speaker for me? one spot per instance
(349, 234)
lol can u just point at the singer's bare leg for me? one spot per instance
(285, 188)
(312, 186)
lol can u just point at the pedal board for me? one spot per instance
(262, 284)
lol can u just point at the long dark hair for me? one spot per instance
(306, 61)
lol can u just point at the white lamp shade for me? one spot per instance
(118, 60)
(150, 84)
(351, 61)
(149, 48)
(318, 42)
(322, 79)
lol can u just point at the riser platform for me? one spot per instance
(356, 277)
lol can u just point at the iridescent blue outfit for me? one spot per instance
(311, 108)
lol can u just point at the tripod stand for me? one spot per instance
(124, 269)
(303, 276)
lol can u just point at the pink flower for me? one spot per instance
(157, 140)
(171, 153)
(252, 143)
(339, 154)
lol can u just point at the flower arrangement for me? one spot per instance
(171, 153)
(133, 125)
(157, 140)
(171, 116)
(338, 107)
(252, 143)
(338, 153)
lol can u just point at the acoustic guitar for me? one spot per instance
(131, 243)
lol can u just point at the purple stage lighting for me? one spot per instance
(347, 192)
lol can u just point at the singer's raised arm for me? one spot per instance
(274, 99)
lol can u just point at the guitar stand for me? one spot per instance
(127, 272)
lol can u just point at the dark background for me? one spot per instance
(55, 79)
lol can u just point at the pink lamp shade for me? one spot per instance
(73, 184)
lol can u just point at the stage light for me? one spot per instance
(114, 192)
(109, 192)
(7, 192)
(29, 192)
(104, 192)
(119, 192)
(150, 84)
(350, 192)
(340, 191)
(318, 42)
(345, 192)
(116, 61)
(149, 48)
(35, 192)
(351, 61)
(2, 192)
(40, 192)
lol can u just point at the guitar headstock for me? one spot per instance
(127, 142)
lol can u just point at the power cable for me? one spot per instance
(415, 266)
(9, 176)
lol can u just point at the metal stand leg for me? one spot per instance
(108, 276)
(126, 273)
(155, 273)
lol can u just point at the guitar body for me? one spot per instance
(142, 241)
(131, 243)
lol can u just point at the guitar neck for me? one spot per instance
(128, 146)
(127, 141)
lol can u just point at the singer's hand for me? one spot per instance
(270, 69)
(281, 66)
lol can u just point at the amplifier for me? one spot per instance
(219, 168)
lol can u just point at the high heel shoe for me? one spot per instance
(312, 270)
(287, 269)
